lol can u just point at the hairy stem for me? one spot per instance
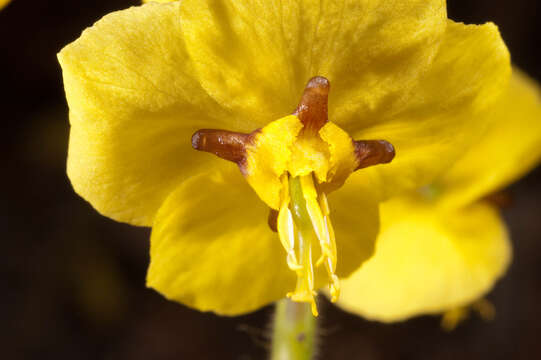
(294, 331)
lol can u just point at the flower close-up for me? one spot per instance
(141, 82)
(281, 179)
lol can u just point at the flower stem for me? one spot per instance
(294, 331)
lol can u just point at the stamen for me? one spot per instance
(454, 317)
(318, 210)
(313, 108)
(304, 290)
(485, 308)
(330, 264)
(228, 145)
(303, 218)
(310, 196)
(286, 227)
(373, 152)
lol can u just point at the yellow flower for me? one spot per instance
(141, 81)
(3, 3)
(445, 246)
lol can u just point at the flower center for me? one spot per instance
(292, 164)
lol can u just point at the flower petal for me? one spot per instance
(254, 57)
(428, 261)
(443, 116)
(134, 105)
(211, 247)
(354, 213)
(510, 148)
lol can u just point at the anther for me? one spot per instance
(228, 145)
(313, 107)
(373, 152)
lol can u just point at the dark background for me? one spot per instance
(73, 282)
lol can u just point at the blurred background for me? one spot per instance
(73, 282)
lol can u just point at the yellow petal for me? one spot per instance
(510, 148)
(134, 98)
(255, 57)
(441, 118)
(355, 219)
(211, 247)
(134, 105)
(428, 260)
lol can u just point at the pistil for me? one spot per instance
(373, 152)
(313, 107)
(228, 145)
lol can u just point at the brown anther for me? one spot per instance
(373, 152)
(228, 145)
(313, 107)
(273, 220)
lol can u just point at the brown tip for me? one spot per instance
(228, 145)
(273, 220)
(373, 152)
(320, 83)
(313, 107)
(500, 199)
